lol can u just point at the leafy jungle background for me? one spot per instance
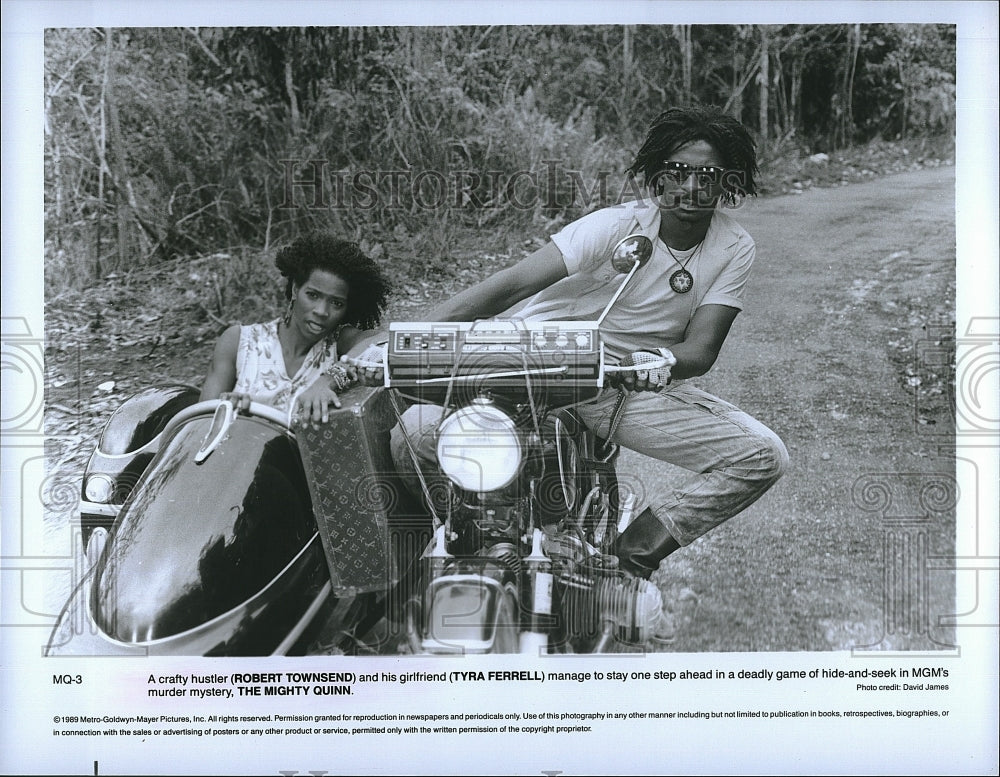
(173, 143)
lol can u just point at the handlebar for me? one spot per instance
(362, 364)
(654, 364)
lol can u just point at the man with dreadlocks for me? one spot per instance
(682, 303)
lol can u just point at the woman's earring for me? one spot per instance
(288, 312)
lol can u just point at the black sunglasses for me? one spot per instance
(679, 172)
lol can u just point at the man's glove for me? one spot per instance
(647, 380)
(372, 356)
(370, 363)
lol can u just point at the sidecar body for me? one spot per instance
(201, 533)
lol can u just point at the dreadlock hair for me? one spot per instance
(677, 127)
(368, 288)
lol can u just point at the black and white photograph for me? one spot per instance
(617, 382)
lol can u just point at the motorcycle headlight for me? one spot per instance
(479, 448)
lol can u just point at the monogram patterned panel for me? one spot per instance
(344, 462)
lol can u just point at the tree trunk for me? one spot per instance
(628, 33)
(293, 103)
(736, 87)
(625, 106)
(764, 80)
(906, 101)
(854, 47)
(795, 93)
(683, 34)
(745, 66)
(782, 123)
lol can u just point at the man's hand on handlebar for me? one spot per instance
(369, 365)
(635, 381)
(643, 371)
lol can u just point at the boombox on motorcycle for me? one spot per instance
(214, 532)
(527, 511)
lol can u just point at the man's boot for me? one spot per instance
(641, 547)
(644, 544)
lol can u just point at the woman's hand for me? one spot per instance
(313, 404)
(240, 402)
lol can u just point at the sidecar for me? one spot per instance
(201, 537)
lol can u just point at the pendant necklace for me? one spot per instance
(682, 281)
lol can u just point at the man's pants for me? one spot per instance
(732, 457)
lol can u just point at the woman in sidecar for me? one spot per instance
(334, 291)
(196, 514)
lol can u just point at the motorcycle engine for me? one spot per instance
(593, 601)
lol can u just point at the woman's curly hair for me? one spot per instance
(677, 127)
(368, 288)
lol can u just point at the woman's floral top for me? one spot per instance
(260, 366)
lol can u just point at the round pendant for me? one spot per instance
(681, 281)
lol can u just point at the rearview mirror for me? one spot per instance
(629, 250)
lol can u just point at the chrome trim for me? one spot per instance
(207, 407)
(489, 375)
(303, 623)
(494, 590)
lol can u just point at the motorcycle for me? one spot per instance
(215, 532)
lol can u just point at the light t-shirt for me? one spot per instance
(649, 314)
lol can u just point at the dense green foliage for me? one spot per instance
(181, 142)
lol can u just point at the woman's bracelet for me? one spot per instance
(340, 377)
